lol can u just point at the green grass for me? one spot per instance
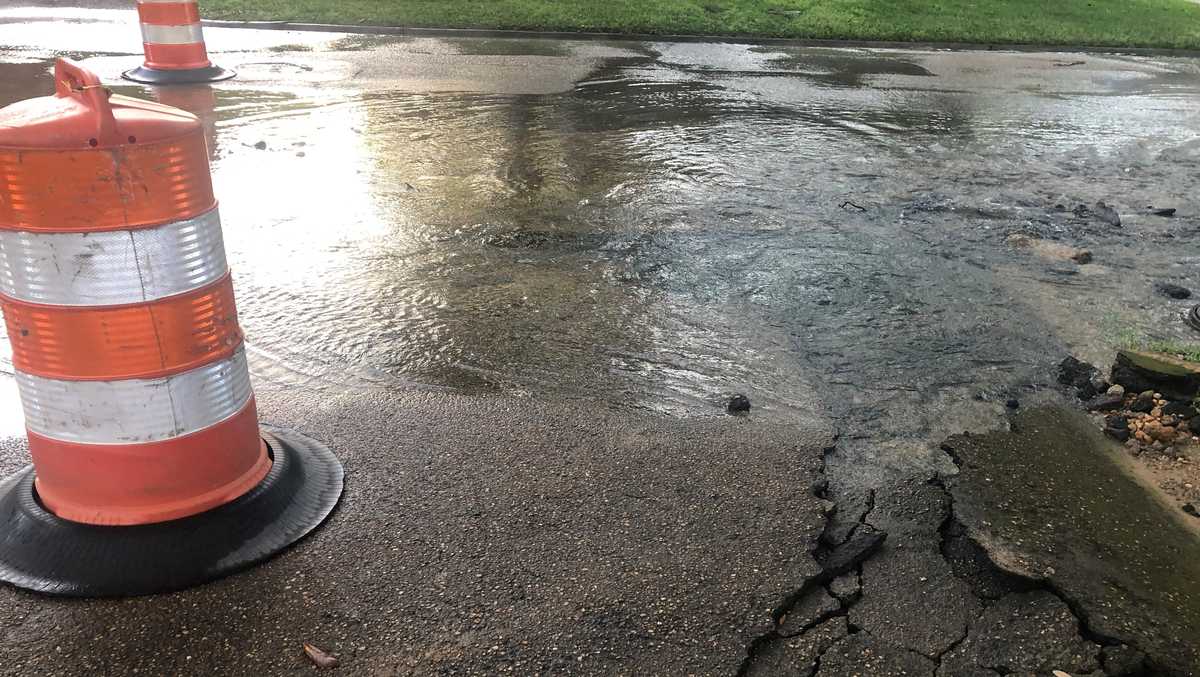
(1123, 336)
(1122, 23)
(1121, 333)
(1186, 351)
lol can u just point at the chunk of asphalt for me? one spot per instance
(852, 508)
(914, 581)
(846, 588)
(1022, 497)
(843, 559)
(815, 608)
(1138, 371)
(863, 543)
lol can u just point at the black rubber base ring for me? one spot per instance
(1193, 318)
(153, 76)
(41, 552)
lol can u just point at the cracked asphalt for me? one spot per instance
(1103, 584)
(511, 283)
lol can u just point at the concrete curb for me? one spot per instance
(727, 39)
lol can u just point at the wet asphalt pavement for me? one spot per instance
(512, 282)
(1092, 536)
(485, 536)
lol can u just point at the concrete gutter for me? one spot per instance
(648, 37)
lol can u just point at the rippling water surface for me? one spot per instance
(677, 222)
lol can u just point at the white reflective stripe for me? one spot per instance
(172, 35)
(112, 268)
(135, 411)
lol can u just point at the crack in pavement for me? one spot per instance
(1017, 584)
(861, 476)
(1128, 647)
(968, 561)
(863, 541)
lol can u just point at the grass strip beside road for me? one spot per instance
(1113, 23)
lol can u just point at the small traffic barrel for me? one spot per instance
(173, 40)
(150, 472)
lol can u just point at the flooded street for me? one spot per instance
(666, 225)
(648, 228)
(664, 231)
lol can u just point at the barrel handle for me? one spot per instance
(73, 80)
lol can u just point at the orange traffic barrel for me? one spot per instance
(130, 361)
(173, 41)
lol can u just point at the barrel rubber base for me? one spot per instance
(154, 76)
(44, 553)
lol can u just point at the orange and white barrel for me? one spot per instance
(150, 472)
(119, 304)
(173, 41)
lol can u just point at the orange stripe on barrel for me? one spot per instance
(176, 57)
(169, 13)
(110, 343)
(122, 485)
(93, 189)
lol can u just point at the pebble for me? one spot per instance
(1108, 214)
(1173, 291)
(261, 145)
(1149, 421)
(1118, 434)
(1013, 404)
(1105, 403)
(1144, 403)
(738, 404)
(1179, 410)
